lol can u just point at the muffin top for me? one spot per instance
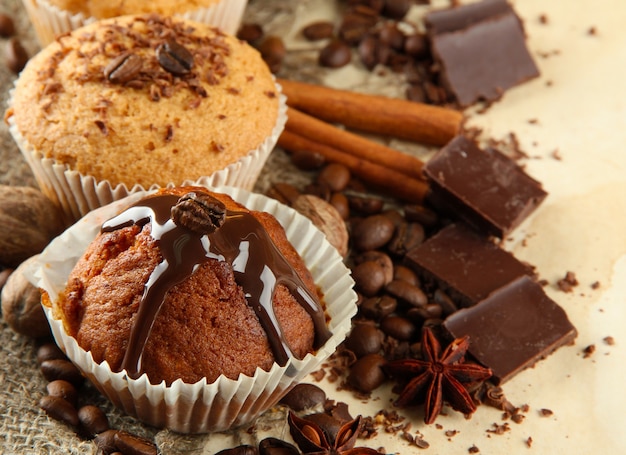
(188, 284)
(111, 8)
(145, 100)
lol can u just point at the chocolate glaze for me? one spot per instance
(241, 241)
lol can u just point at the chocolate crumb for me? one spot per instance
(499, 429)
(529, 441)
(169, 134)
(567, 283)
(543, 412)
(450, 433)
(543, 19)
(593, 31)
(589, 350)
(595, 285)
(533, 121)
(556, 154)
(609, 340)
(518, 418)
(102, 127)
(473, 449)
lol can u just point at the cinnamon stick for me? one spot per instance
(319, 131)
(419, 122)
(394, 183)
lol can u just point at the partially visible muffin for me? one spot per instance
(144, 100)
(188, 284)
(52, 18)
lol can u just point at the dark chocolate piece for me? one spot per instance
(513, 328)
(481, 50)
(484, 188)
(463, 264)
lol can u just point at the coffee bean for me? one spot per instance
(239, 450)
(368, 51)
(366, 205)
(63, 389)
(59, 409)
(398, 327)
(132, 444)
(366, 374)
(372, 232)
(16, 56)
(61, 369)
(174, 58)
(319, 189)
(318, 30)
(406, 237)
(304, 396)
(335, 175)
(340, 202)
(93, 420)
(376, 308)
(283, 192)
(416, 46)
(250, 33)
(447, 304)
(273, 52)
(49, 351)
(335, 54)
(364, 339)
(369, 278)
(123, 68)
(381, 259)
(355, 26)
(406, 292)
(307, 161)
(421, 215)
(403, 273)
(274, 446)
(7, 26)
(391, 36)
(105, 442)
(396, 9)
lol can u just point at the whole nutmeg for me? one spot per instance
(28, 221)
(21, 305)
(326, 218)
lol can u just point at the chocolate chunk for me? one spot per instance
(484, 188)
(513, 328)
(464, 265)
(481, 50)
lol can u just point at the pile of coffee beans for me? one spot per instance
(372, 32)
(15, 56)
(393, 303)
(90, 422)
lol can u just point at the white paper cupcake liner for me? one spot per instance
(77, 194)
(226, 403)
(49, 21)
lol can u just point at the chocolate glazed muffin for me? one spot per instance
(188, 284)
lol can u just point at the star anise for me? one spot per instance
(313, 440)
(443, 376)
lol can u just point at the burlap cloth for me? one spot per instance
(24, 427)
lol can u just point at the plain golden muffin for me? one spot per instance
(191, 307)
(103, 9)
(145, 100)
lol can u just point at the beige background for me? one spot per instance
(579, 103)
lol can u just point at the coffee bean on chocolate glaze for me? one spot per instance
(129, 443)
(318, 30)
(335, 54)
(366, 374)
(63, 389)
(398, 327)
(364, 339)
(304, 396)
(60, 409)
(335, 175)
(369, 278)
(62, 369)
(372, 233)
(407, 292)
(93, 420)
(378, 307)
(16, 56)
